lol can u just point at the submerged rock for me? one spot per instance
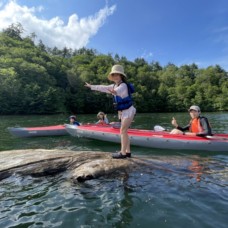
(80, 165)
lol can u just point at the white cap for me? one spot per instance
(194, 107)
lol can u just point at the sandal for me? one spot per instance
(119, 156)
(128, 154)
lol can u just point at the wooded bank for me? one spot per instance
(35, 79)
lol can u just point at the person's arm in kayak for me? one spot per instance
(175, 124)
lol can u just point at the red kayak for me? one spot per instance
(38, 131)
(153, 139)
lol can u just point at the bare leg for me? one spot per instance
(125, 142)
(176, 131)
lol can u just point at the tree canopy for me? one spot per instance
(38, 79)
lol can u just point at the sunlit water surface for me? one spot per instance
(180, 189)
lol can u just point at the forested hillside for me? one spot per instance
(39, 79)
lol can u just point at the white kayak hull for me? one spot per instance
(153, 140)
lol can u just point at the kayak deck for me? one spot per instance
(152, 139)
(38, 131)
(149, 133)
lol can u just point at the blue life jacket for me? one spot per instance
(120, 103)
(76, 123)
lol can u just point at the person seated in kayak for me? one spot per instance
(198, 125)
(102, 118)
(73, 121)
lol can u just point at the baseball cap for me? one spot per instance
(194, 107)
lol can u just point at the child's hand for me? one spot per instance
(87, 85)
(174, 122)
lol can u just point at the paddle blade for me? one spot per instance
(159, 128)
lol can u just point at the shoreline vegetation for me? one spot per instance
(35, 79)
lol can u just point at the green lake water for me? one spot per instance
(184, 189)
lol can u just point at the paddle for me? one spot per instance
(216, 137)
(159, 128)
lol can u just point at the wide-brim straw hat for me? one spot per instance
(117, 69)
(100, 113)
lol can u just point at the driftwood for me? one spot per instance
(81, 166)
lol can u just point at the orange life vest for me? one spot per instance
(195, 126)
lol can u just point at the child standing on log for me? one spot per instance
(123, 104)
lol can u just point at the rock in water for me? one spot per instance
(81, 165)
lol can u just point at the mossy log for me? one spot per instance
(81, 166)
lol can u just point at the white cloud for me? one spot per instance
(54, 32)
(222, 29)
(147, 55)
(222, 61)
(220, 36)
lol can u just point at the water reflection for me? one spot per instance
(175, 189)
(168, 187)
(197, 170)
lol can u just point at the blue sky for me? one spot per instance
(176, 31)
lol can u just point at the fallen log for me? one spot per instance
(80, 165)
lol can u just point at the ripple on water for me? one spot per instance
(177, 191)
